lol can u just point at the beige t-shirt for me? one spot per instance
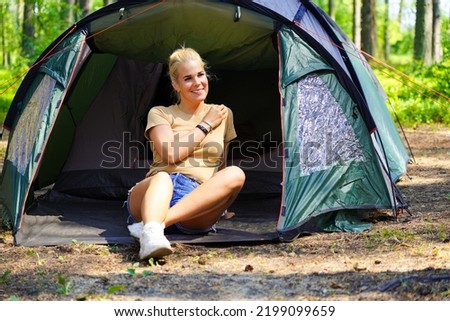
(207, 157)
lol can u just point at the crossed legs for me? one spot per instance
(149, 200)
(199, 210)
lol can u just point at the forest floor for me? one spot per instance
(400, 258)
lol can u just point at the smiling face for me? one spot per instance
(191, 83)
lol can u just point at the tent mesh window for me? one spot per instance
(326, 137)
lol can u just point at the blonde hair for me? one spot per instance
(180, 56)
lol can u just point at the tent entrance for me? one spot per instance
(97, 150)
(85, 202)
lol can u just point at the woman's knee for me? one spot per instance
(161, 178)
(235, 177)
(137, 193)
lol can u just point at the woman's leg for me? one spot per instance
(150, 199)
(201, 208)
(149, 202)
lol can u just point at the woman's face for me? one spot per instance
(192, 83)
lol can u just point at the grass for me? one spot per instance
(388, 236)
(64, 285)
(2, 150)
(5, 277)
(437, 232)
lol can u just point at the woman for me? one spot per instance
(188, 186)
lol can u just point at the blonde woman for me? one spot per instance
(188, 186)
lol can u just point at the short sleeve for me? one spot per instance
(230, 131)
(157, 116)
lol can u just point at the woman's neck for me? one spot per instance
(190, 108)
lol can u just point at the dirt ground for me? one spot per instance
(403, 258)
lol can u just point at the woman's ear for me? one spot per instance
(175, 86)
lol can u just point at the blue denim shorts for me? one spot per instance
(182, 186)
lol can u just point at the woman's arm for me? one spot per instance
(223, 163)
(171, 147)
(174, 148)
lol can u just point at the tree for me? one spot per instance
(67, 11)
(400, 12)
(86, 7)
(437, 52)
(387, 48)
(369, 27)
(3, 11)
(331, 9)
(28, 28)
(357, 23)
(423, 31)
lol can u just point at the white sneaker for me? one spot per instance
(136, 229)
(153, 242)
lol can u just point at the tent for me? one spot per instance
(315, 137)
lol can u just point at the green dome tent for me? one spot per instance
(315, 137)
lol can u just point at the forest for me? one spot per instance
(407, 43)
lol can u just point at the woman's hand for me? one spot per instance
(215, 115)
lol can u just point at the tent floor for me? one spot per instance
(105, 222)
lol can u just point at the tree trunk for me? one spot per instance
(400, 12)
(86, 7)
(28, 28)
(423, 32)
(67, 12)
(387, 47)
(331, 9)
(3, 11)
(369, 27)
(437, 51)
(357, 23)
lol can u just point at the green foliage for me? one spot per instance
(403, 43)
(49, 25)
(10, 44)
(132, 271)
(418, 95)
(115, 288)
(8, 89)
(343, 13)
(64, 285)
(5, 277)
(414, 101)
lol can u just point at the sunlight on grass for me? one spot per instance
(388, 236)
(3, 145)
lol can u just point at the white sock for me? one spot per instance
(153, 225)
